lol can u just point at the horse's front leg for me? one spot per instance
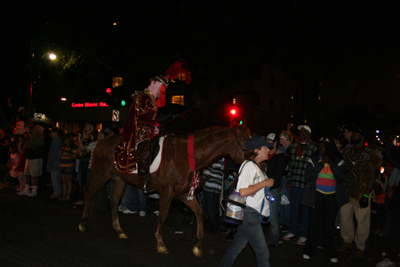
(164, 204)
(195, 207)
(119, 189)
(93, 199)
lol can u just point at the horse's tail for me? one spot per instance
(101, 172)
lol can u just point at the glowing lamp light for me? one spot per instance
(108, 90)
(123, 103)
(233, 111)
(52, 56)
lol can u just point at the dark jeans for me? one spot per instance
(394, 233)
(211, 210)
(273, 231)
(296, 195)
(284, 210)
(322, 217)
(386, 227)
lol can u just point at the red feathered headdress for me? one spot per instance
(179, 69)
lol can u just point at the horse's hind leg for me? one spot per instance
(118, 191)
(195, 207)
(164, 204)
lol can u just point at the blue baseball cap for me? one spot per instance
(257, 141)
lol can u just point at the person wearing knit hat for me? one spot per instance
(140, 126)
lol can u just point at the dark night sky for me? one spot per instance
(359, 37)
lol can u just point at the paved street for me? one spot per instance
(44, 232)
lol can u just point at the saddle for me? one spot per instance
(156, 145)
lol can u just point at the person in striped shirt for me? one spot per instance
(68, 154)
(325, 194)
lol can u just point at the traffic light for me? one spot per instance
(235, 116)
(108, 91)
(123, 103)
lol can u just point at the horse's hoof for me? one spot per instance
(123, 236)
(162, 250)
(82, 228)
(198, 252)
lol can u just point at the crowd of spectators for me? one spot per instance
(320, 184)
(326, 183)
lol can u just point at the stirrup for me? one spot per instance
(152, 189)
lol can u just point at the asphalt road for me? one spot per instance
(44, 232)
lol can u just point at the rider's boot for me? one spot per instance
(143, 157)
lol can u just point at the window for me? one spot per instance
(117, 81)
(178, 99)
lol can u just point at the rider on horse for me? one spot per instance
(140, 127)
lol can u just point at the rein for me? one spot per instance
(192, 164)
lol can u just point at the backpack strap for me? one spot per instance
(266, 191)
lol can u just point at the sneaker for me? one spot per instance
(334, 260)
(306, 257)
(120, 208)
(33, 194)
(126, 211)
(155, 196)
(79, 202)
(386, 263)
(284, 228)
(289, 236)
(302, 241)
(23, 193)
(345, 246)
(142, 214)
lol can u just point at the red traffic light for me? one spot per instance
(108, 90)
(233, 111)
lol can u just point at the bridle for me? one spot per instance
(237, 136)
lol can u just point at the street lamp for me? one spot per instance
(52, 56)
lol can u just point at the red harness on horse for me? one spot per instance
(192, 164)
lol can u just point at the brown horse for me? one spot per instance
(173, 178)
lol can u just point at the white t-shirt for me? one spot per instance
(249, 175)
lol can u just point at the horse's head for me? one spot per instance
(242, 134)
